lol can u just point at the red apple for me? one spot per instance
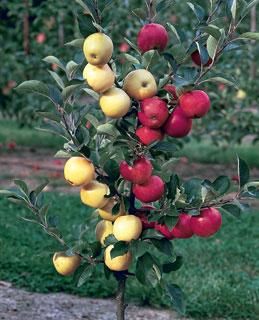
(177, 125)
(207, 223)
(197, 59)
(162, 228)
(152, 36)
(124, 47)
(151, 190)
(172, 90)
(195, 104)
(145, 223)
(154, 112)
(41, 37)
(139, 173)
(182, 229)
(147, 135)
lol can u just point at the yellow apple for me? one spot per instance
(241, 94)
(64, 264)
(119, 263)
(98, 48)
(99, 78)
(93, 194)
(79, 171)
(127, 228)
(140, 84)
(103, 229)
(115, 103)
(106, 211)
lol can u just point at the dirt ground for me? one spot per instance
(16, 304)
(33, 166)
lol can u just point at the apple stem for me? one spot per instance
(121, 306)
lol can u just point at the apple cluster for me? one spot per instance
(155, 118)
(205, 224)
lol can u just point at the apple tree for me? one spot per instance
(122, 119)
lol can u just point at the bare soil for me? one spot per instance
(17, 304)
(33, 166)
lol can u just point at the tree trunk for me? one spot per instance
(253, 29)
(26, 28)
(120, 312)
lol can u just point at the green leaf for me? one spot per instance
(57, 78)
(203, 53)
(221, 185)
(34, 86)
(147, 271)
(132, 45)
(40, 188)
(212, 30)
(192, 189)
(249, 36)
(221, 80)
(50, 115)
(62, 154)
(119, 249)
(177, 298)
(149, 58)
(165, 147)
(111, 167)
(85, 275)
(110, 240)
(82, 136)
(94, 121)
(78, 43)
(131, 58)
(212, 46)
(54, 60)
(198, 11)
(171, 60)
(232, 8)
(53, 127)
(164, 246)
(22, 186)
(139, 248)
(71, 69)
(232, 209)
(85, 23)
(92, 93)
(172, 28)
(173, 266)
(108, 129)
(69, 91)
(243, 172)
(151, 234)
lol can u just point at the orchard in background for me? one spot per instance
(123, 118)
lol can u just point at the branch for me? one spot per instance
(120, 296)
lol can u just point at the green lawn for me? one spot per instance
(27, 137)
(220, 275)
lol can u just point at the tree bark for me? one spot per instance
(253, 29)
(26, 28)
(120, 296)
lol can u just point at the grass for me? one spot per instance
(198, 152)
(27, 137)
(220, 275)
(207, 153)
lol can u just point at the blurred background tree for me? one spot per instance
(34, 27)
